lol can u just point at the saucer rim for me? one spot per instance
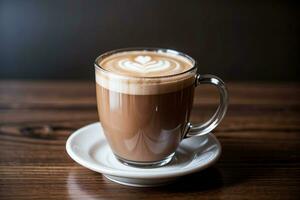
(130, 174)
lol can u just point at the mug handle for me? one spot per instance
(205, 128)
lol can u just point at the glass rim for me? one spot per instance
(151, 49)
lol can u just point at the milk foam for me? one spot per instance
(132, 72)
(145, 63)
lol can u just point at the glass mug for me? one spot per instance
(144, 119)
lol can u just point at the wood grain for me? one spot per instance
(260, 137)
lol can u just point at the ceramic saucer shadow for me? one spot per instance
(88, 147)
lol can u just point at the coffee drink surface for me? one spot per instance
(144, 102)
(146, 64)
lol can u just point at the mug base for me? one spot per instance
(147, 164)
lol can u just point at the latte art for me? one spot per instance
(144, 72)
(145, 64)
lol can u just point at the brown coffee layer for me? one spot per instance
(144, 128)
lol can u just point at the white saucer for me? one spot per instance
(88, 147)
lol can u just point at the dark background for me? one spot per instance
(236, 40)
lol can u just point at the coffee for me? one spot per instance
(144, 102)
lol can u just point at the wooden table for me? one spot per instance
(260, 137)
